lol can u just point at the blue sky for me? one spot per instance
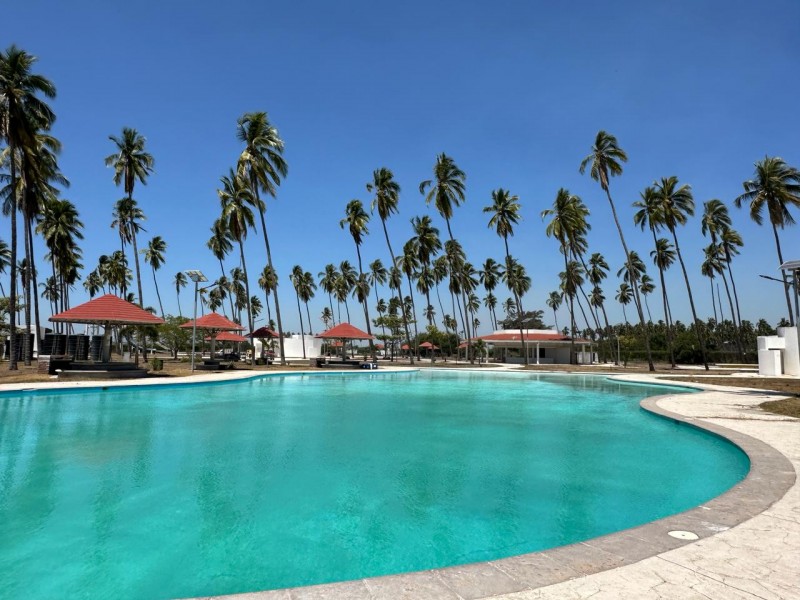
(514, 91)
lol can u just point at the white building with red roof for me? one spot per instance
(545, 347)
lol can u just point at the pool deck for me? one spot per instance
(747, 544)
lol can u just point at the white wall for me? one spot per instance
(293, 346)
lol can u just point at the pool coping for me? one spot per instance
(771, 475)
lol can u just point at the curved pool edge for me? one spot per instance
(770, 477)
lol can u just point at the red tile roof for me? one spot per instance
(511, 336)
(107, 309)
(263, 332)
(214, 321)
(345, 331)
(229, 336)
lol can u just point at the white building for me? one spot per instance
(545, 347)
(293, 347)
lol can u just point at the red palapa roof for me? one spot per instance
(345, 331)
(107, 309)
(511, 336)
(214, 321)
(229, 336)
(263, 332)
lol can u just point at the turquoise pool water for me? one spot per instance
(283, 481)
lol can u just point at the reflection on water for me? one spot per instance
(200, 490)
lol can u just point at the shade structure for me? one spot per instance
(229, 336)
(263, 332)
(214, 324)
(345, 331)
(107, 310)
(429, 346)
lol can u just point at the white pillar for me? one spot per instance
(537, 353)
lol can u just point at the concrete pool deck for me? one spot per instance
(749, 537)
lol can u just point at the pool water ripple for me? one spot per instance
(196, 490)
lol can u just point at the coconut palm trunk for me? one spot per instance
(402, 304)
(634, 283)
(12, 299)
(698, 326)
(365, 303)
(665, 300)
(571, 299)
(300, 314)
(269, 262)
(786, 284)
(26, 277)
(518, 302)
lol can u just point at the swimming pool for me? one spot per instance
(279, 481)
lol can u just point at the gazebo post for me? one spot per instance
(105, 347)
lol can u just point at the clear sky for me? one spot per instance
(514, 91)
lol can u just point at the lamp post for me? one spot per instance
(198, 278)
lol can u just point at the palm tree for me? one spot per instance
(154, 256)
(60, 227)
(268, 282)
(596, 272)
(505, 214)
(646, 287)
(219, 243)
(624, 297)
(446, 190)
(261, 163)
(489, 276)
(345, 283)
(327, 281)
(180, 281)
(378, 275)
(571, 279)
(604, 161)
(554, 302)
(296, 277)
(676, 205)
(776, 186)
(711, 267)
(235, 198)
(490, 302)
(22, 114)
(717, 223)
(568, 226)
(731, 242)
(427, 243)
(387, 195)
(307, 287)
(356, 219)
(5, 260)
(326, 317)
(518, 282)
(130, 163)
(408, 263)
(39, 172)
(649, 215)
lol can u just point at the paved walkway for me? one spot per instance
(758, 559)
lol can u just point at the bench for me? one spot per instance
(215, 365)
(321, 361)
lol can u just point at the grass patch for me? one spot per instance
(789, 407)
